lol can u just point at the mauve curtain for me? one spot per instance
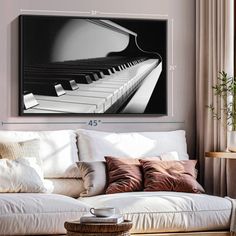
(214, 53)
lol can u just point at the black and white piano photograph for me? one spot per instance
(76, 65)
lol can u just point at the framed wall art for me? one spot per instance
(77, 65)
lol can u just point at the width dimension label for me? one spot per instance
(94, 122)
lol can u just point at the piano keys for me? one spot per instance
(67, 84)
(116, 83)
(44, 88)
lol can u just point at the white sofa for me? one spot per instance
(151, 212)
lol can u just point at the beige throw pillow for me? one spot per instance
(94, 177)
(69, 187)
(15, 150)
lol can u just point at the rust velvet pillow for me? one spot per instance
(124, 175)
(179, 176)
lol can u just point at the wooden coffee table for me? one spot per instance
(75, 228)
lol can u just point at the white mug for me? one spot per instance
(103, 212)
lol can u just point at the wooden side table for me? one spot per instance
(230, 169)
(227, 155)
(75, 228)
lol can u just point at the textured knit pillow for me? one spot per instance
(15, 150)
(179, 176)
(94, 177)
(124, 175)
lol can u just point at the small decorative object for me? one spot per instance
(225, 90)
(103, 212)
(232, 141)
(116, 219)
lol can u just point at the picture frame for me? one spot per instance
(72, 66)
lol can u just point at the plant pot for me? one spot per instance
(232, 141)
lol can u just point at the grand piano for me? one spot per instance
(99, 68)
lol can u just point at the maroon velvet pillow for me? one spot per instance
(124, 175)
(179, 176)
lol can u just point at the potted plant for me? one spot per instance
(225, 89)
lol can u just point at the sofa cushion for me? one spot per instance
(124, 175)
(94, 145)
(168, 211)
(31, 214)
(68, 187)
(15, 150)
(179, 176)
(58, 150)
(21, 175)
(94, 177)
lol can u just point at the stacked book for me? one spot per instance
(114, 219)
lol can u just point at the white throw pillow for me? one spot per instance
(58, 150)
(21, 175)
(94, 145)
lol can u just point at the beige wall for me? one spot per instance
(181, 62)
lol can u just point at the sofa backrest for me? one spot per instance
(59, 151)
(94, 145)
